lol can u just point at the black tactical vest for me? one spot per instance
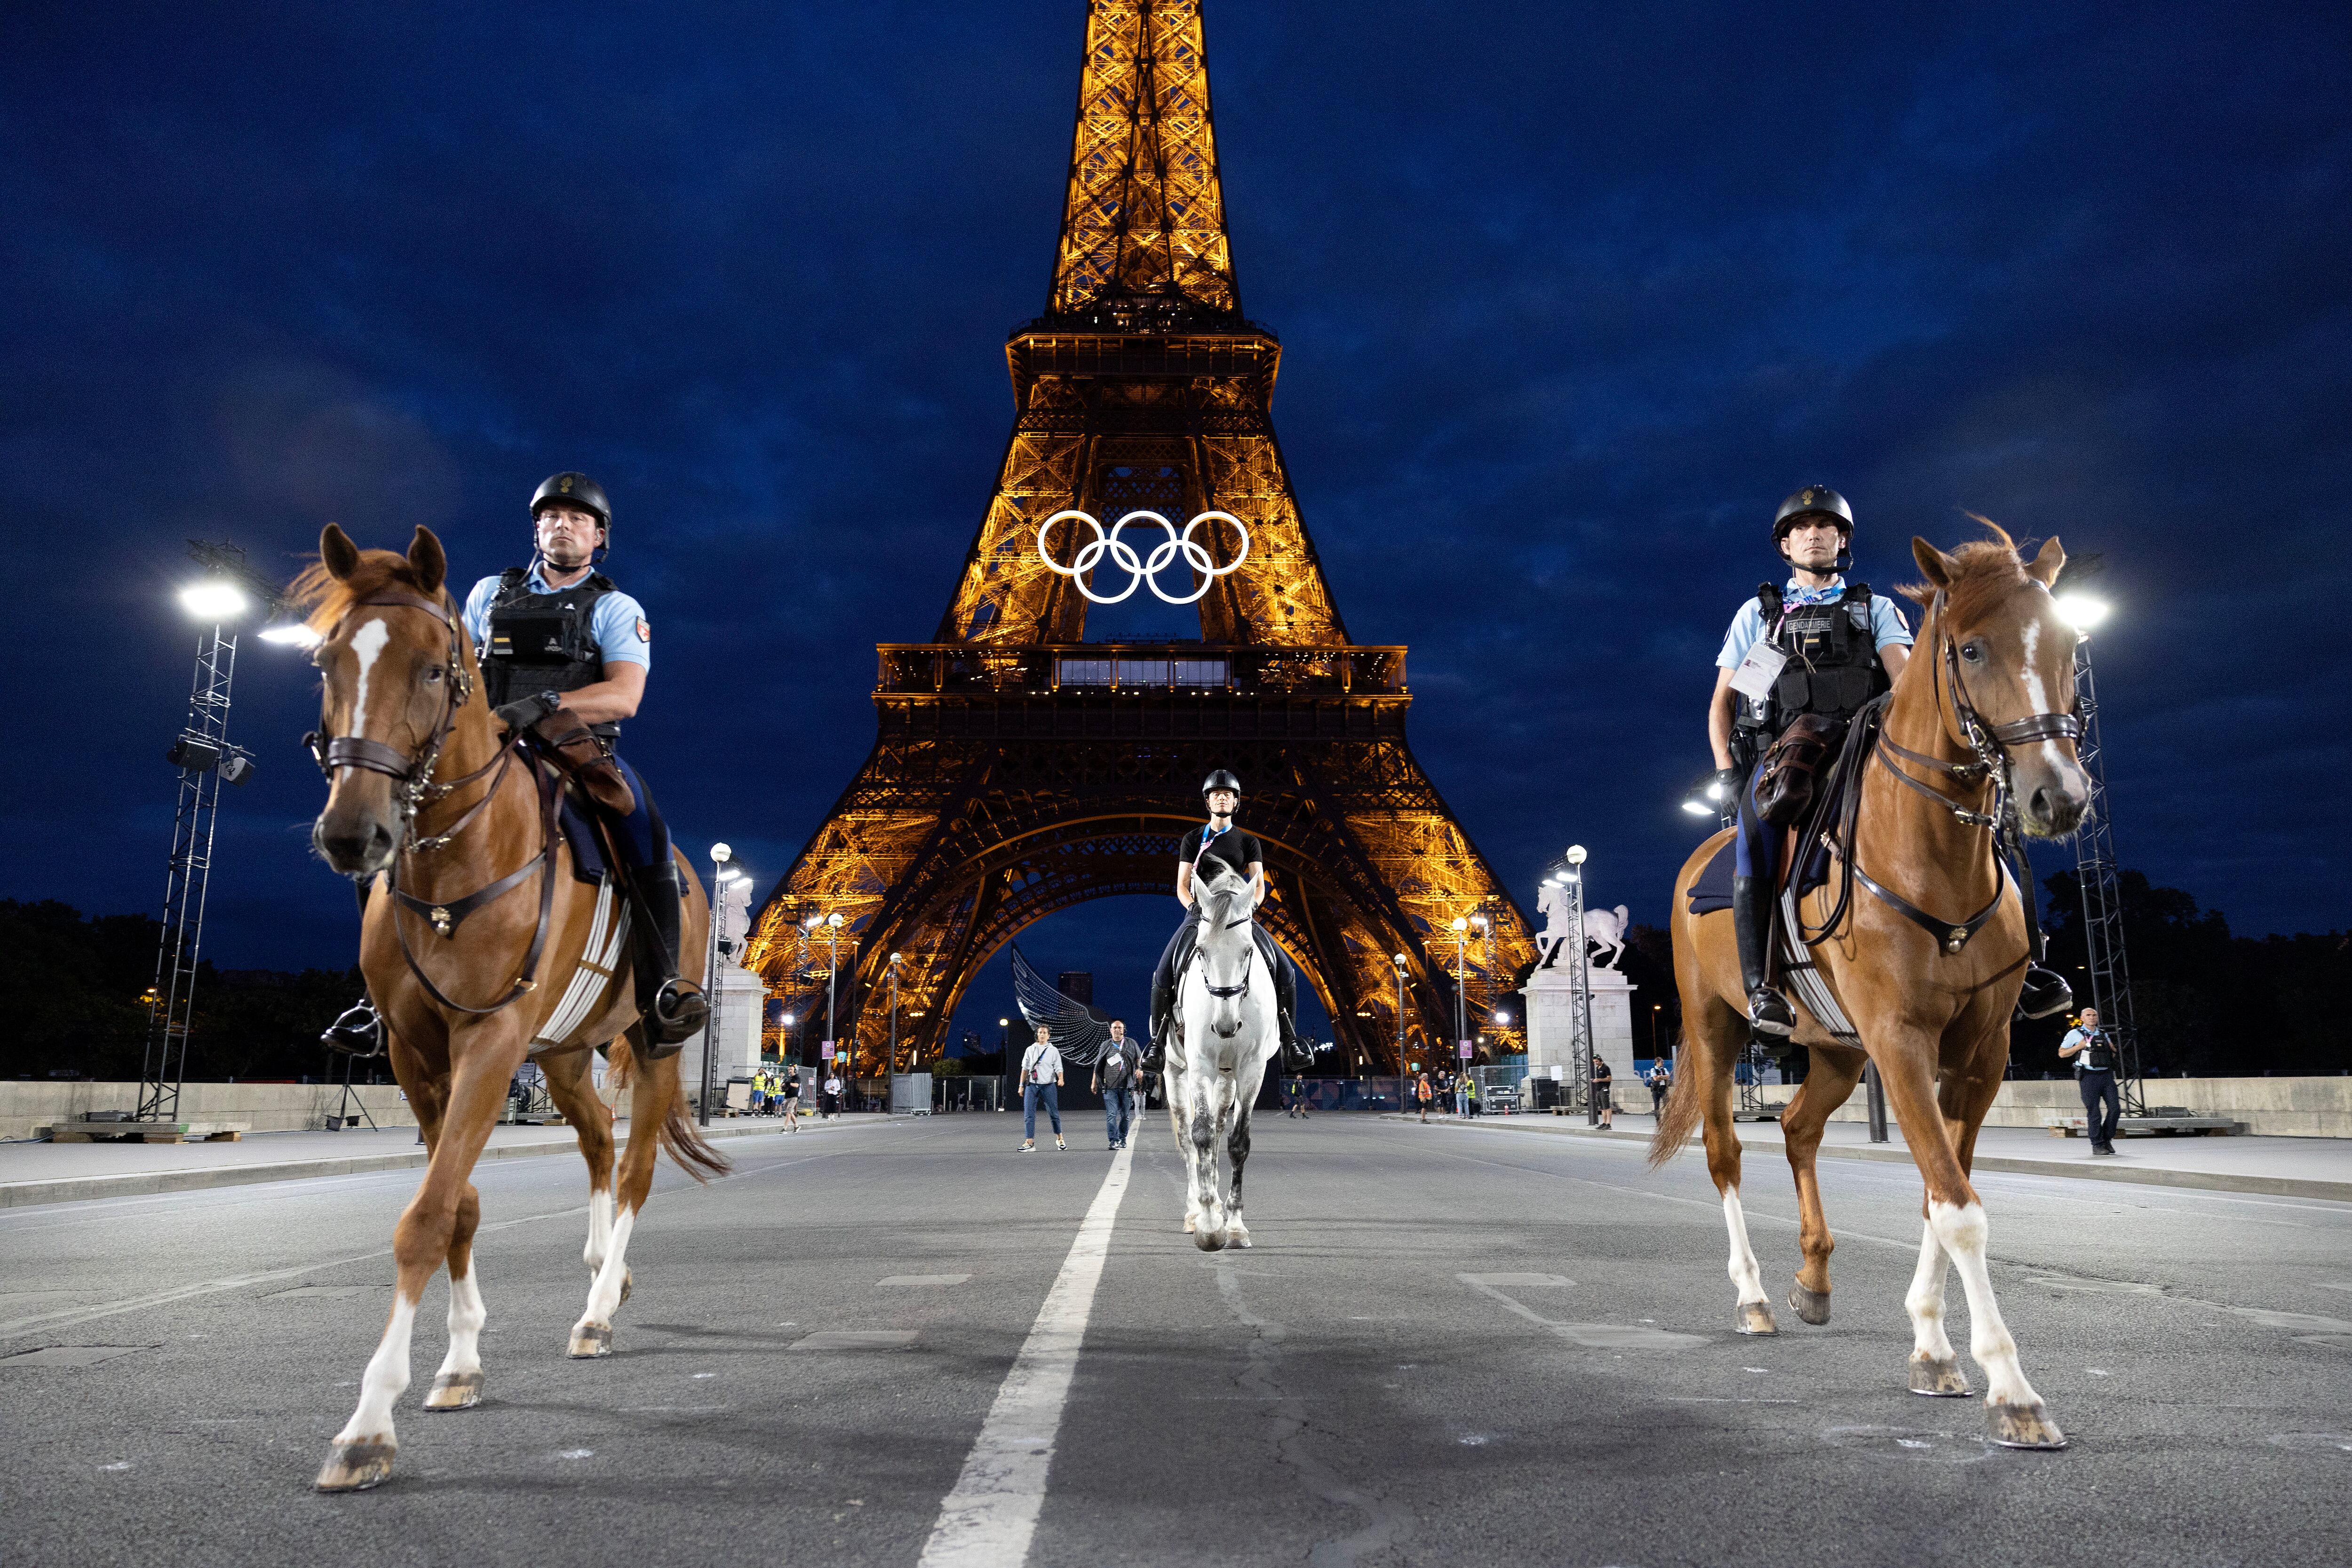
(1833, 667)
(543, 642)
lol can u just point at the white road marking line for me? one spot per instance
(988, 1520)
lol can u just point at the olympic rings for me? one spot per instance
(1142, 569)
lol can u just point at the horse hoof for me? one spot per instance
(1938, 1379)
(1188, 1226)
(1238, 1238)
(356, 1466)
(455, 1391)
(591, 1341)
(1208, 1240)
(2022, 1427)
(1755, 1318)
(1812, 1305)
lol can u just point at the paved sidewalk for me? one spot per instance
(2284, 1167)
(33, 1173)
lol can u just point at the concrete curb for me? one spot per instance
(2144, 1176)
(147, 1183)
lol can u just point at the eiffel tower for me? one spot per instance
(1020, 770)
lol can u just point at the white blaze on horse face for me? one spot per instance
(1962, 1229)
(368, 642)
(385, 1379)
(1744, 1272)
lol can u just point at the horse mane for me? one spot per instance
(1984, 573)
(327, 598)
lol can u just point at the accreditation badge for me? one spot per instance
(1759, 670)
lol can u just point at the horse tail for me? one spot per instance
(1686, 1103)
(679, 1136)
(686, 1145)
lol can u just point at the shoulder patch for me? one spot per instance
(645, 632)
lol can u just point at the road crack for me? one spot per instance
(1386, 1522)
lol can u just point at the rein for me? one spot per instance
(414, 786)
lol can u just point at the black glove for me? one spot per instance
(1727, 782)
(525, 712)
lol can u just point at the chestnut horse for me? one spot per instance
(480, 948)
(1979, 723)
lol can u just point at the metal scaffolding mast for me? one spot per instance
(2102, 892)
(203, 741)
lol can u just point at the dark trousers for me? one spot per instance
(2099, 1091)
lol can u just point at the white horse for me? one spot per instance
(1226, 1034)
(1606, 928)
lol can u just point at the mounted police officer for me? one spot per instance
(1819, 646)
(1239, 851)
(564, 654)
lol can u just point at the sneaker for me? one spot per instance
(1064, 1148)
(1028, 1147)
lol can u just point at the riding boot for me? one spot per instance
(2045, 992)
(678, 1010)
(1751, 920)
(1285, 1007)
(358, 1030)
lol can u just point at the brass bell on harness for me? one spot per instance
(440, 919)
(1955, 939)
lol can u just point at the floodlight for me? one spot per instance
(2082, 611)
(215, 599)
(293, 635)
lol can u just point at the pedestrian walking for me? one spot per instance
(1461, 1095)
(1602, 1083)
(1298, 1106)
(1041, 1078)
(1661, 1079)
(792, 1099)
(1114, 1079)
(2093, 1055)
(1424, 1092)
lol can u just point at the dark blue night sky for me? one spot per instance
(1569, 297)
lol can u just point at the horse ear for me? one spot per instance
(2045, 568)
(340, 555)
(427, 560)
(1934, 563)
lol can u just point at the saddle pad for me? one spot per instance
(1711, 891)
(587, 848)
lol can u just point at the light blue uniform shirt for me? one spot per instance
(617, 623)
(1886, 624)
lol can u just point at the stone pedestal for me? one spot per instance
(1551, 994)
(736, 1001)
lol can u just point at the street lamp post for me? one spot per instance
(890, 1072)
(714, 991)
(831, 1019)
(1398, 961)
(1580, 1012)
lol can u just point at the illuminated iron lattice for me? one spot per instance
(1020, 770)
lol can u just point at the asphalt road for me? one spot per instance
(1449, 1345)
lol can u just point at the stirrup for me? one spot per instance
(2045, 992)
(1769, 1012)
(678, 1013)
(357, 1031)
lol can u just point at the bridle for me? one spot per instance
(414, 787)
(1989, 746)
(1249, 960)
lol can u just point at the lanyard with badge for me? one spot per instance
(1207, 838)
(1762, 664)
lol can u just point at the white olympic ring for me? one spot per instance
(1142, 569)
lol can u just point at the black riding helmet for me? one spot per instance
(1817, 502)
(571, 488)
(1813, 500)
(1219, 780)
